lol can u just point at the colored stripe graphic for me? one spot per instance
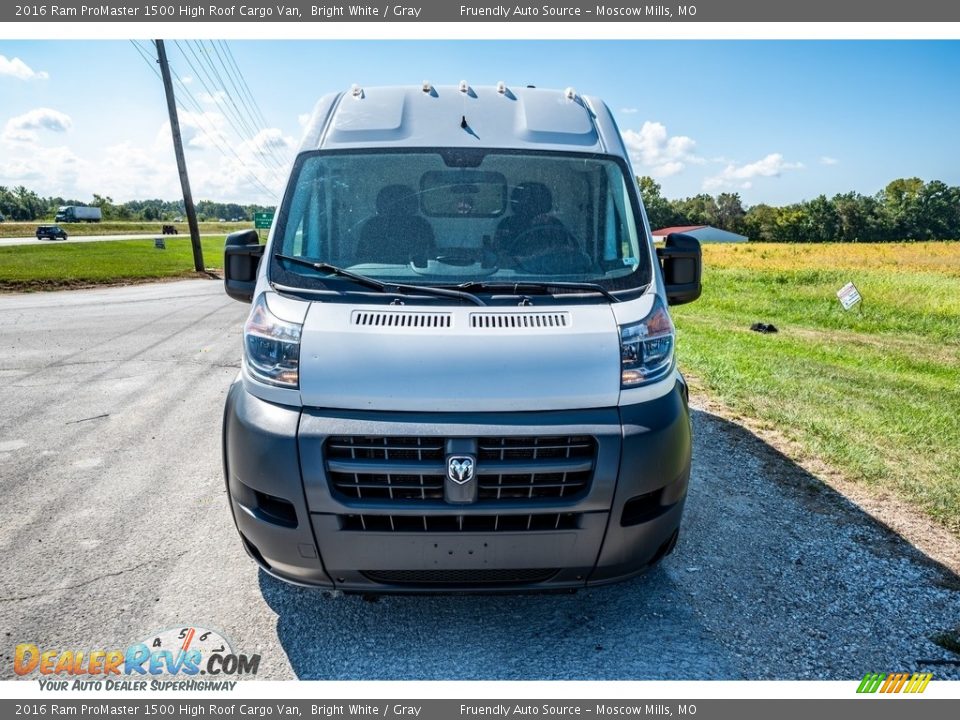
(918, 683)
(870, 683)
(901, 679)
(894, 682)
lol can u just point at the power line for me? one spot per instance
(236, 123)
(243, 81)
(246, 106)
(240, 134)
(211, 132)
(200, 55)
(151, 61)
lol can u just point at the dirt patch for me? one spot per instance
(28, 286)
(934, 541)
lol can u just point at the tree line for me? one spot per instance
(22, 204)
(906, 209)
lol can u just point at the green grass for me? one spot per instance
(27, 229)
(874, 391)
(69, 264)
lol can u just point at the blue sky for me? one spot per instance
(776, 121)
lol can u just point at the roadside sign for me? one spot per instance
(849, 296)
(160, 243)
(262, 220)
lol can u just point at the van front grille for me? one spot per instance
(537, 522)
(414, 468)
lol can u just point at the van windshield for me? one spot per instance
(448, 217)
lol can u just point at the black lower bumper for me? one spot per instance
(299, 530)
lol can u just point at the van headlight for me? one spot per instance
(271, 346)
(646, 348)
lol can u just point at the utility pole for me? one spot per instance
(181, 161)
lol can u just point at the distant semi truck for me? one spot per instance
(78, 213)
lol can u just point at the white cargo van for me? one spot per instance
(458, 369)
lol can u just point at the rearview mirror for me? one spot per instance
(241, 259)
(682, 265)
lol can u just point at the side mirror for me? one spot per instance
(241, 259)
(682, 266)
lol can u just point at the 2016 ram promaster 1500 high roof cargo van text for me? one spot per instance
(458, 369)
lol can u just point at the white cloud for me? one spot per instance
(186, 79)
(628, 111)
(658, 152)
(269, 141)
(671, 167)
(198, 130)
(217, 97)
(22, 128)
(741, 176)
(827, 160)
(221, 166)
(45, 170)
(17, 68)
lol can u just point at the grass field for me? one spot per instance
(67, 264)
(875, 391)
(27, 229)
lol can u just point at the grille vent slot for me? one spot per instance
(403, 319)
(460, 523)
(520, 321)
(441, 578)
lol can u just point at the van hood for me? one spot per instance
(459, 359)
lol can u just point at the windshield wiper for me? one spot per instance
(522, 288)
(384, 287)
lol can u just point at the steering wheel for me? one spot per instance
(555, 251)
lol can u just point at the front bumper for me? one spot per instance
(300, 530)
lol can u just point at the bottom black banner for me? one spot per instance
(874, 707)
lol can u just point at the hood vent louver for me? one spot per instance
(404, 319)
(520, 321)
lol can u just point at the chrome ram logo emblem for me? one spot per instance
(460, 468)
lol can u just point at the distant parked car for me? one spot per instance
(51, 232)
(169, 230)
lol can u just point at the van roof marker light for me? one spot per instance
(426, 86)
(502, 87)
(356, 91)
(464, 87)
(570, 94)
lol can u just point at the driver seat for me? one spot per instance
(396, 234)
(530, 206)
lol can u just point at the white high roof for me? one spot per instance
(496, 117)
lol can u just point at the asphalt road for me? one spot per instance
(94, 238)
(114, 525)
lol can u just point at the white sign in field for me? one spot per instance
(849, 295)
